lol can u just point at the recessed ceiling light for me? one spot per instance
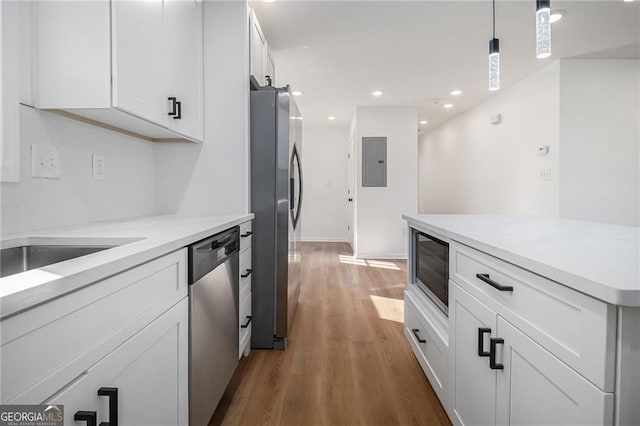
(423, 122)
(628, 1)
(377, 93)
(297, 93)
(269, 1)
(447, 106)
(332, 117)
(456, 92)
(556, 15)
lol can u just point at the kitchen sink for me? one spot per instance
(24, 257)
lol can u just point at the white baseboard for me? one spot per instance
(324, 240)
(373, 256)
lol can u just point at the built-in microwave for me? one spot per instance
(431, 268)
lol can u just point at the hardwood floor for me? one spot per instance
(347, 360)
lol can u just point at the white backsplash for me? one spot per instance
(128, 190)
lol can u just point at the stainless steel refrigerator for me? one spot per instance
(276, 201)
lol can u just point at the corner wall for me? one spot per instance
(600, 140)
(468, 165)
(381, 231)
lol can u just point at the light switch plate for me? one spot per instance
(545, 174)
(45, 161)
(99, 167)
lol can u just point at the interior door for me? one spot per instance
(536, 388)
(472, 386)
(138, 59)
(351, 164)
(183, 41)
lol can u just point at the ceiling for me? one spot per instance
(338, 52)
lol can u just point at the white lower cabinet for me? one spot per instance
(534, 387)
(501, 376)
(244, 291)
(128, 332)
(472, 390)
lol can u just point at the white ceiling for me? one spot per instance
(338, 52)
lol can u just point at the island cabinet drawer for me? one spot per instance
(246, 235)
(46, 347)
(244, 338)
(429, 348)
(576, 328)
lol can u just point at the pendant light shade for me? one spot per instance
(494, 55)
(494, 64)
(543, 28)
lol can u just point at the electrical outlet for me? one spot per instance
(99, 167)
(45, 162)
(545, 174)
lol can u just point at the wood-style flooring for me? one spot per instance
(347, 360)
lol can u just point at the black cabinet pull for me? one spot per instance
(246, 274)
(492, 283)
(245, 235)
(112, 393)
(415, 333)
(481, 332)
(178, 114)
(268, 80)
(492, 354)
(249, 317)
(90, 417)
(349, 199)
(173, 101)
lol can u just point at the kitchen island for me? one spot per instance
(541, 323)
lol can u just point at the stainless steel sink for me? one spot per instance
(43, 251)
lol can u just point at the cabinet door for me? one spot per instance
(183, 49)
(270, 69)
(472, 386)
(138, 59)
(536, 388)
(258, 51)
(76, 396)
(150, 372)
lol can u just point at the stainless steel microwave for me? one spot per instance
(431, 268)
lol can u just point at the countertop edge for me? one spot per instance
(595, 289)
(29, 298)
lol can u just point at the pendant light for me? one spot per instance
(494, 56)
(543, 28)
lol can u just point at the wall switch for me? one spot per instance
(545, 174)
(45, 162)
(99, 167)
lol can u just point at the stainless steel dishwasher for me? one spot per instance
(213, 316)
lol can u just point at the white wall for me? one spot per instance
(35, 203)
(213, 177)
(324, 167)
(600, 138)
(380, 230)
(468, 165)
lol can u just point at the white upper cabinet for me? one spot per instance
(134, 66)
(262, 64)
(183, 69)
(138, 59)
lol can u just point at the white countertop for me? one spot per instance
(152, 237)
(600, 260)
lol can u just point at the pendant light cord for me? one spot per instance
(494, 18)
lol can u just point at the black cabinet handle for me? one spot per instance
(246, 274)
(415, 333)
(349, 199)
(481, 332)
(90, 417)
(492, 283)
(268, 79)
(249, 317)
(173, 101)
(112, 393)
(246, 234)
(492, 354)
(178, 114)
